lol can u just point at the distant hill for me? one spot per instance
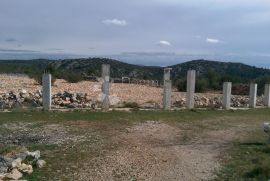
(210, 74)
(92, 67)
(203, 67)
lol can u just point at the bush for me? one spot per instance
(72, 77)
(131, 105)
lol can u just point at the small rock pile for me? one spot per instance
(65, 99)
(13, 167)
(29, 99)
(216, 102)
(73, 100)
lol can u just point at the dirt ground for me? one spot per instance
(188, 150)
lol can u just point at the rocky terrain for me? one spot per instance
(20, 91)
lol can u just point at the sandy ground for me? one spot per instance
(124, 92)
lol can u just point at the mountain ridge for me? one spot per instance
(210, 74)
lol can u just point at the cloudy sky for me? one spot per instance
(150, 32)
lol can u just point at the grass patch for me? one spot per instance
(118, 116)
(6, 149)
(248, 160)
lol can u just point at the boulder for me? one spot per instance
(15, 174)
(35, 154)
(16, 163)
(40, 163)
(26, 168)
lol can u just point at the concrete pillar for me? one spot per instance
(105, 86)
(252, 95)
(267, 95)
(227, 91)
(167, 87)
(191, 78)
(46, 91)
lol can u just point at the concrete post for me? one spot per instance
(227, 91)
(191, 78)
(46, 91)
(105, 86)
(252, 95)
(267, 95)
(167, 89)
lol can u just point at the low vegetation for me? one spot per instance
(248, 159)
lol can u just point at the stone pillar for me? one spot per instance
(46, 91)
(227, 91)
(105, 86)
(253, 95)
(191, 78)
(267, 95)
(167, 89)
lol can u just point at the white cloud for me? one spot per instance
(164, 43)
(116, 22)
(212, 40)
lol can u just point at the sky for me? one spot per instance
(147, 32)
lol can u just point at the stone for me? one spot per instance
(5, 162)
(26, 168)
(266, 129)
(40, 163)
(15, 174)
(16, 163)
(35, 154)
(2, 176)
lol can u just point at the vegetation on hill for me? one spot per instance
(210, 74)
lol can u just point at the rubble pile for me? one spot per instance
(66, 99)
(13, 167)
(28, 99)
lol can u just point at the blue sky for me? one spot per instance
(149, 32)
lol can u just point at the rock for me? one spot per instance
(2, 104)
(114, 100)
(23, 91)
(26, 168)
(266, 128)
(14, 174)
(5, 163)
(35, 154)
(72, 105)
(2, 176)
(16, 163)
(41, 163)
